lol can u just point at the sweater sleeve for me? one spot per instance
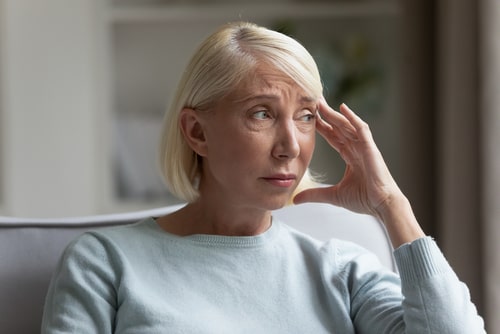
(82, 295)
(427, 297)
(435, 300)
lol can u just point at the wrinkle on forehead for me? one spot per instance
(266, 82)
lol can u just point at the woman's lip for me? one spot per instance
(281, 180)
(282, 177)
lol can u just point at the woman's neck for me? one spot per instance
(201, 217)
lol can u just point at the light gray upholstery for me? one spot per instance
(30, 248)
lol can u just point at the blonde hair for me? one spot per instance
(218, 65)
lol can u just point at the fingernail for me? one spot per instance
(346, 106)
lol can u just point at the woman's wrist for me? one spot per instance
(400, 221)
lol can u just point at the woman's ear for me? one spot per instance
(193, 131)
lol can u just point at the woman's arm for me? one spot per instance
(81, 296)
(434, 298)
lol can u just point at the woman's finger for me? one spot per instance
(319, 195)
(331, 138)
(361, 127)
(329, 133)
(337, 120)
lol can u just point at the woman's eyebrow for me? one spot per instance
(308, 99)
(258, 97)
(302, 99)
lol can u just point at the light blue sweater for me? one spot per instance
(140, 279)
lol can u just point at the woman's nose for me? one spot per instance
(286, 144)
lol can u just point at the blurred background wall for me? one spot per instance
(84, 83)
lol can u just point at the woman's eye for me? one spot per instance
(261, 114)
(308, 117)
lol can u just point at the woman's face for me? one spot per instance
(259, 142)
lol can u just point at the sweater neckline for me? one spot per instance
(222, 240)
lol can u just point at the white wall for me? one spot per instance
(48, 107)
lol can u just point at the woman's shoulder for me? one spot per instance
(338, 252)
(144, 227)
(110, 239)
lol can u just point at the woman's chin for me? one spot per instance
(278, 203)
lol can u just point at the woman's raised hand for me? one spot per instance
(367, 185)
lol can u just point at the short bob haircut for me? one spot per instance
(218, 65)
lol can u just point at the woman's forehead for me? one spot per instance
(265, 83)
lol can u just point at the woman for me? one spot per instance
(237, 143)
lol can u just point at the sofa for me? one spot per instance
(30, 249)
